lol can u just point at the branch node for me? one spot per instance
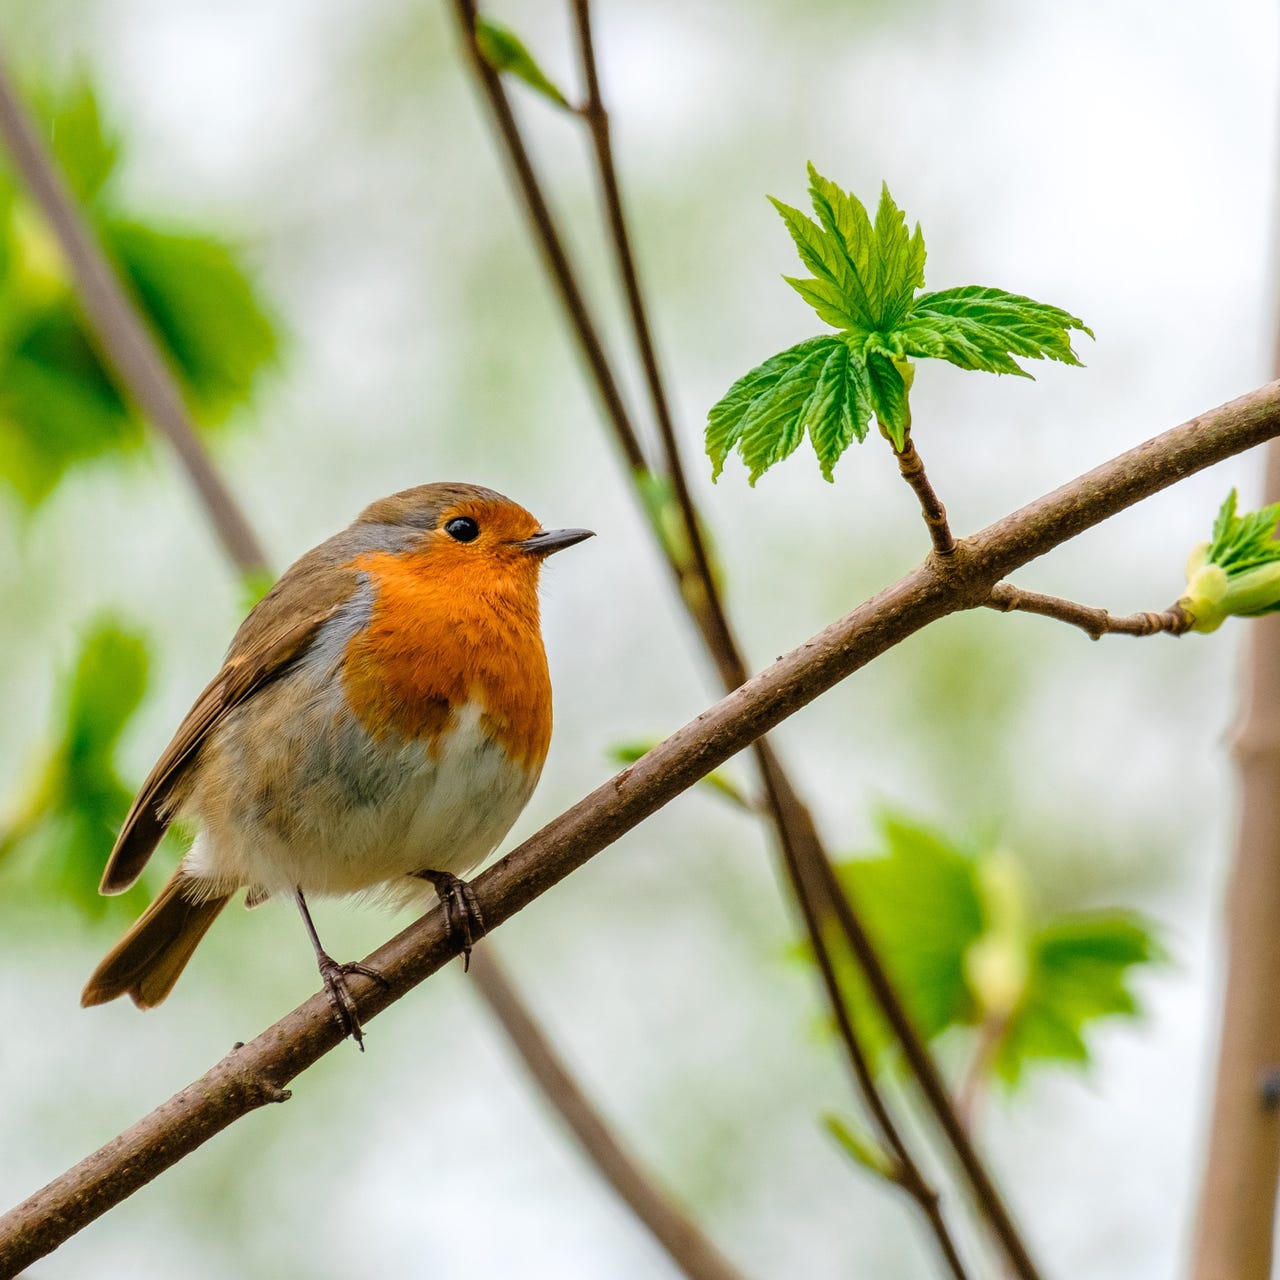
(1269, 1089)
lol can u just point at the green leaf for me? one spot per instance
(56, 406)
(944, 919)
(840, 409)
(204, 309)
(865, 281)
(773, 424)
(725, 420)
(889, 396)
(902, 258)
(503, 50)
(850, 240)
(68, 819)
(976, 327)
(861, 1148)
(1080, 966)
(1244, 542)
(71, 123)
(827, 300)
(920, 903)
(58, 403)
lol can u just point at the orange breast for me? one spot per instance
(443, 635)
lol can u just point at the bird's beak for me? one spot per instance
(546, 541)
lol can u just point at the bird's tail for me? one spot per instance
(146, 962)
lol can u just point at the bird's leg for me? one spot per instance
(462, 915)
(334, 976)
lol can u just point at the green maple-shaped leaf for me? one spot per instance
(964, 949)
(865, 280)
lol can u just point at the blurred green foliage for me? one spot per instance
(58, 402)
(65, 821)
(960, 937)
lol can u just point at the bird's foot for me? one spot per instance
(463, 920)
(334, 976)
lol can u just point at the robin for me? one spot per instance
(379, 722)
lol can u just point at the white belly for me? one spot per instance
(321, 806)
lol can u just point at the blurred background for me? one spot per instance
(1115, 160)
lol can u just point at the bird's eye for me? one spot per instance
(463, 529)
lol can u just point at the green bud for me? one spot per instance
(996, 966)
(1254, 591)
(1238, 572)
(1206, 596)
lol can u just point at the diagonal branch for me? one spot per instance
(257, 1073)
(140, 368)
(118, 325)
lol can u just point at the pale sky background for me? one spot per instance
(1117, 160)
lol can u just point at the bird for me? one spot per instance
(379, 722)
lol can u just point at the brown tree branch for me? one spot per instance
(1095, 623)
(911, 468)
(115, 321)
(145, 377)
(688, 1248)
(257, 1073)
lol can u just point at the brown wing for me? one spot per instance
(269, 640)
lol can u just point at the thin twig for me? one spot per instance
(713, 618)
(1095, 623)
(911, 467)
(549, 243)
(690, 1250)
(817, 905)
(148, 380)
(258, 1072)
(130, 350)
(969, 1096)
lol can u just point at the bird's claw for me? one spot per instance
(463, 919)
(342, 1002)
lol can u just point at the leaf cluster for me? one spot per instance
(59, 404)
(965, 950)
(864, 281)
